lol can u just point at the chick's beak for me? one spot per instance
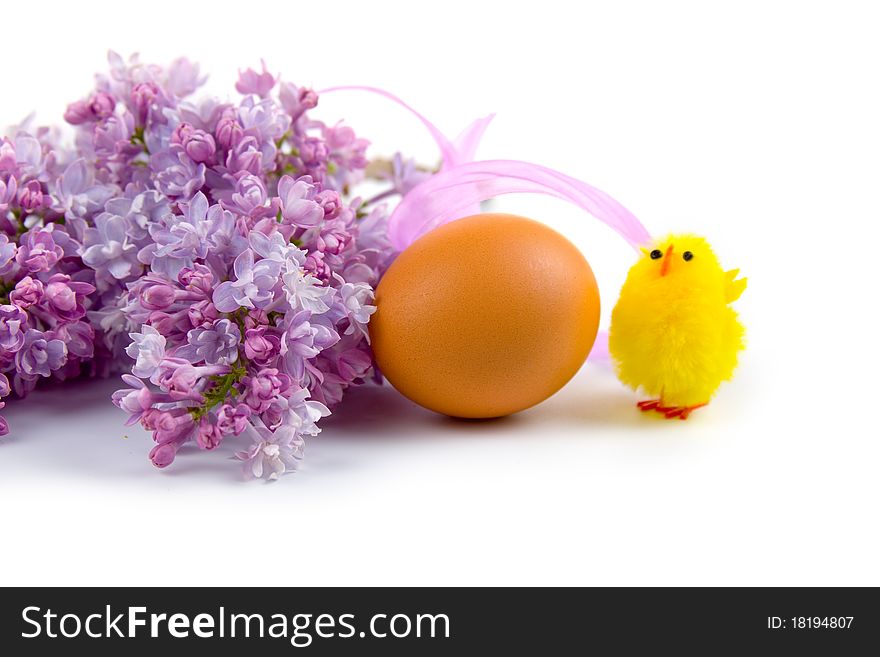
(664, 268)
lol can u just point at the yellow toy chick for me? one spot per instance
(673, 333)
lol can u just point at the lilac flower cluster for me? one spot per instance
(213, 245)
(46, 292)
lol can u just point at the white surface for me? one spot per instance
(756, 124)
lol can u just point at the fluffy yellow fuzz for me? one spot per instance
(673, 333)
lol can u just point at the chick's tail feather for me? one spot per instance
(733, 287)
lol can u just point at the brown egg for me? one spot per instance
(485, 316)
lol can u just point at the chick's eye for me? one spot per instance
(688, 256)
(656, 253)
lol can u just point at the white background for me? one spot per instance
(757, 124)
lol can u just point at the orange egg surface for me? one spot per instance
(485, 316)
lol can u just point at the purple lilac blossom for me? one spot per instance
(13, 324)
(27, 292)
(108, 248)
(40, 354)
(177, 174)
(148, 350)
(253, 286)
(37, 251)
(64, 299)
(217, 345)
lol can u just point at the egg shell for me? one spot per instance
(485, 316)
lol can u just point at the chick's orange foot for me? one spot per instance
(669, 412)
